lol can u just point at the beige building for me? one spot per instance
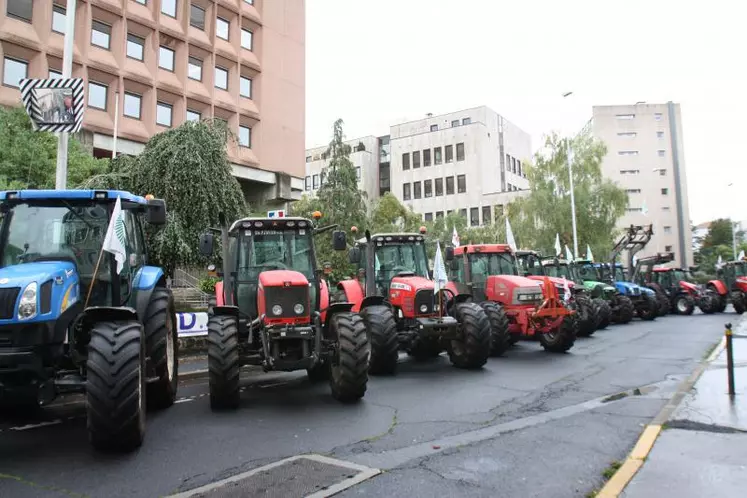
(646, 157)
(158, 63)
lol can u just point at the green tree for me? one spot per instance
(719, 233)
(28, 158)
(600, 203)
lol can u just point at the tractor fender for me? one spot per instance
(353, 293)
(372, 301)
(718, 286)
(97, 314)
(462, 298)
(146, 280)
(323, 299)
(330, 312)
(219, 298)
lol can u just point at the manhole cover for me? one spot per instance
(304, 476)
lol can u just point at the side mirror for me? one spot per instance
(354, 255)
(156, 212)
(449, 253)
(339, 242)
(206, 244)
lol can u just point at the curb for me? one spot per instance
(193, 374)
(617, 483)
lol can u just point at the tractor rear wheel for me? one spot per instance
(708, 303)
(739, 301)
(648, 309)
(115, 386)
(382, 334)
(586, 316)
(223, 362)
(664, 304)
(603, 313)
(473, 349)
(625, 309)
(561, 339)
(499, 336)
(162, 346)
(684, 304)
(349, 374)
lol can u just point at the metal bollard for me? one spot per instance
(729, 359)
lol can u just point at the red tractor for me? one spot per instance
(517, 307)
(731, 286)
(272, 309)
(403, 310)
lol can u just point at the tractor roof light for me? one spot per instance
(422, 230)
(149, 197)
(316, 215)
(354, 229)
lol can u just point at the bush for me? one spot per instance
(207, 285)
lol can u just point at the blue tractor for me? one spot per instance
(643, 299)
(75, 318)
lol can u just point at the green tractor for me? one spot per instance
(621, 307)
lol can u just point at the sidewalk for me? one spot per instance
(702, 449)
(192, 366)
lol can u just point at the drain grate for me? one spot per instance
(303, 476)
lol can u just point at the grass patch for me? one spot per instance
(592, 494)
(611, 469)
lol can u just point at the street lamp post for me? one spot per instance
(67, 72)
(573, 200)
(733, 232)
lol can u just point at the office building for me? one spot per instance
(645, 156)
(155, 64)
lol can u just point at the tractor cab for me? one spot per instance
(398, 259)
(470, 268)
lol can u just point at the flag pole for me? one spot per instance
(95, 273)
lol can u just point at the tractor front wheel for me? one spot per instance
(562, 338)
(708, 303)
(473, 349)
(382, 334)
(603, 313)
(625, 309)
(648, 309)
(739, 301)
(223, 362)
(115, 386)
(500, 339)
(349, 374)
(684, 304)
(586, 316)
(162, 346)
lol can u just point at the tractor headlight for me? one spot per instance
(298, 308)
(277, 310)
(423, 308)
(27, 305)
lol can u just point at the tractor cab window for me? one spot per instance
(559, 271)
(266, 250)
(619, 274)
(531, 265)
(587, 271)
(679, 276)
(665, 279)
(392, 259)
(740, 269)
(483, 265)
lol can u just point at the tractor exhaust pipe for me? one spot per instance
(225, 255)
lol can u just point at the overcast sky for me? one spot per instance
(375, 63)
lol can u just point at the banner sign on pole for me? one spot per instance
(192, 324)
(54, 104)
(276, 214)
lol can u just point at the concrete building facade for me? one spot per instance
(646, 157)
(157, 63)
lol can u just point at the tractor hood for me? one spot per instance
(410, 284)
(590, 284)
(556, 281)
(23, 274)
(628, 288)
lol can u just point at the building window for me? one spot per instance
(657, 116)
(14, 71)
(668, 248)
(250, 2)
(667, 229)
(221, 78)
(245, 87)
(659, 134)
(629, 171)
(168, 7)
(498, 211)
(449, 211)
(194, 69)
(466, 121)
(406, 160)
(439, 215)
(58, 19)
(426, 157)
(633, 190)
(308, 159)
(449, 153)
(307, 183)
(100, 34)
(221, 28)
(460, 151)
(197, 17)
(132, 105)
(141, 2)
(316, 181)
(665, 209)
(662, 172)
(625, 116)
(518, 169)
(358, 173)
(20, 9)
(513, 165)
(246, 39)
(166, 58)
(661, 153)
(135, 47)
(416, 159)
(454, 123)
(449, 185)
(193, 115)
(245, 136)
(463, 213)
(163, 114)
(510, 187)
(439, 187)
(627, 153)
(486, 216)
(428, 216)
(630, 134)
(54, 74)
(437, 155)
(406, 192)
(97, 95)
(665, 191)
(417, 190)
(461, 184)
(434, 127)
(474, 216)
(428, 187)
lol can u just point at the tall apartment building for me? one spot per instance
(646, 157)
(158, 63)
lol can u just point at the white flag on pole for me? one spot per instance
(455, 237)
(558, 249)
(644, 209)
(589, 255)
(566, 290)
(116, 236)
(568, 253)
(510, 236)
(740, 256)
(439, 270)
(720, 262)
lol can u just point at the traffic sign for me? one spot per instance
(54, 104)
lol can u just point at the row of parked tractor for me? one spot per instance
(81, 311)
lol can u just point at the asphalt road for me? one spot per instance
(528, 424)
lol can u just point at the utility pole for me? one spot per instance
(67, 72)
(569, 158)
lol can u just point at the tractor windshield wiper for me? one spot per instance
(77, 215)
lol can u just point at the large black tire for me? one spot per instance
(739, 301)
(708, 303)
(500, 339)
(473, 349)
(561, 339)
(664, 304)
(318, 372)
(115, 386)
(162, 347)
(587, 323)
(382, 336)
(223, 362)
(625, 310)
(684, 304)
(648, 308)
(603, 313)
(349, 374)
(722, 302)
